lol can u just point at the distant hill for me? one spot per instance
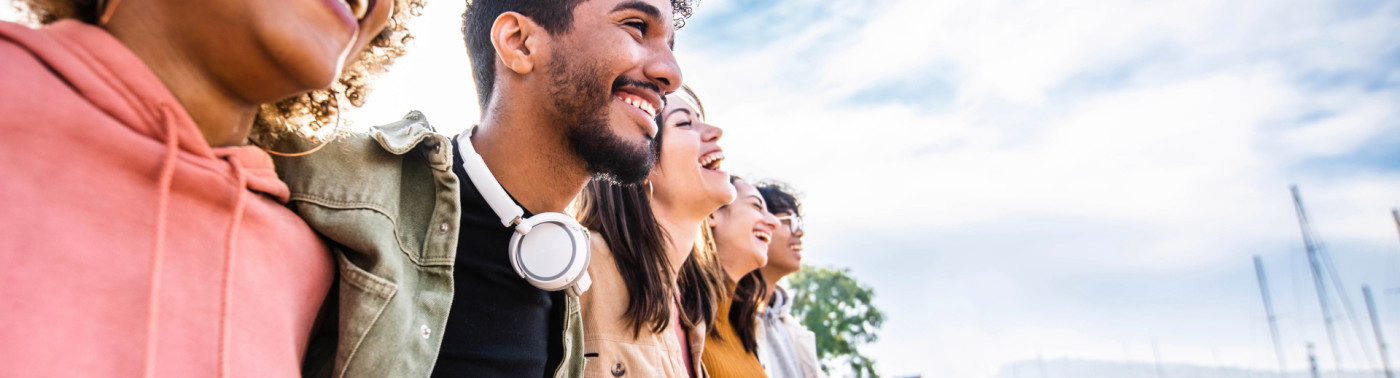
(1071, 368)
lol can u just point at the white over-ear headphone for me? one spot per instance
(550, 250)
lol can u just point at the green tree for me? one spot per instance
(838, 310)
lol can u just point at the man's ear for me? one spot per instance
(518, 41)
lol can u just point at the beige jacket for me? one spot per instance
(609, 345)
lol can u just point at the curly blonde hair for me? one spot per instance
(306, 115)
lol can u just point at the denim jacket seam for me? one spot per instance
(352, 205)
(388, 290)
(361, 341)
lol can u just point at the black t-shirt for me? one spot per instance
(500, 325)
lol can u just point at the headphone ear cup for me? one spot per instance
(514, 252)
(553, 254)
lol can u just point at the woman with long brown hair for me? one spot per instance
(653, 291)
(742, 231)
(144, 232)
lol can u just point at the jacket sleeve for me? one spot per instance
(804, 343)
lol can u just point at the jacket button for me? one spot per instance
(442, 228)
(426, 332)
(618, 370)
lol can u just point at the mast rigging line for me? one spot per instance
(1269, 310)
(1346, 305)
(1318, 281)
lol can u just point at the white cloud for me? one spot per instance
(1157, 139)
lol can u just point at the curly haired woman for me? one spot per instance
(142, 234)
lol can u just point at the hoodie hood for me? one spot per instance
(780, 305)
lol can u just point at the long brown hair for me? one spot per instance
(622, 215)
(743, 313)
(747, 295)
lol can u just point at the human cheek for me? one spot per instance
(681, 151)
(755, 218)
(629, 54)
(781, 236)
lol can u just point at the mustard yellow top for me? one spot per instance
(724, 357)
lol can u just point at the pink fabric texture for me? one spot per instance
(128, 246)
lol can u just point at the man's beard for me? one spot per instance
(581, 101)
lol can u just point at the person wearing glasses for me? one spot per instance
(785, 347)
(742, 231)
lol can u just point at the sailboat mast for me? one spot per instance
(1318, 281)
(1312, 362)
(1396, 214)
(1376, 326)
(1269, 309)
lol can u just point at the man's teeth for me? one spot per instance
(712, 160)
(640, 104)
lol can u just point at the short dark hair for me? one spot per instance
(554, 15)
(781, 198)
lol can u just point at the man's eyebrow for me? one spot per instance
(652, 12)
(639, 6)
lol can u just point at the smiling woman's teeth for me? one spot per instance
(765, 237)
(712, 160)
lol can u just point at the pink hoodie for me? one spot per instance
(128, 246)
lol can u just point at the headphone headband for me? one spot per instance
(549, 250)
(486, 183)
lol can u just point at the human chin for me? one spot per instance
(760, 256)
(629, 122)
(610, 156)
(785, 254)
(760, 240)
(708, 187)
(310, 49)
(717, 187)
(713, 177)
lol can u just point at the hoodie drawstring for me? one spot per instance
(167, 176)
(227, 296)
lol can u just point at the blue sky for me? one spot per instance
(1074, 178)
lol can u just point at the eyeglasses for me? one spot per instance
(793, 222)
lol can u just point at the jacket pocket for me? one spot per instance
(363, 298)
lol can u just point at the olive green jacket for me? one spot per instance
(388, 204)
